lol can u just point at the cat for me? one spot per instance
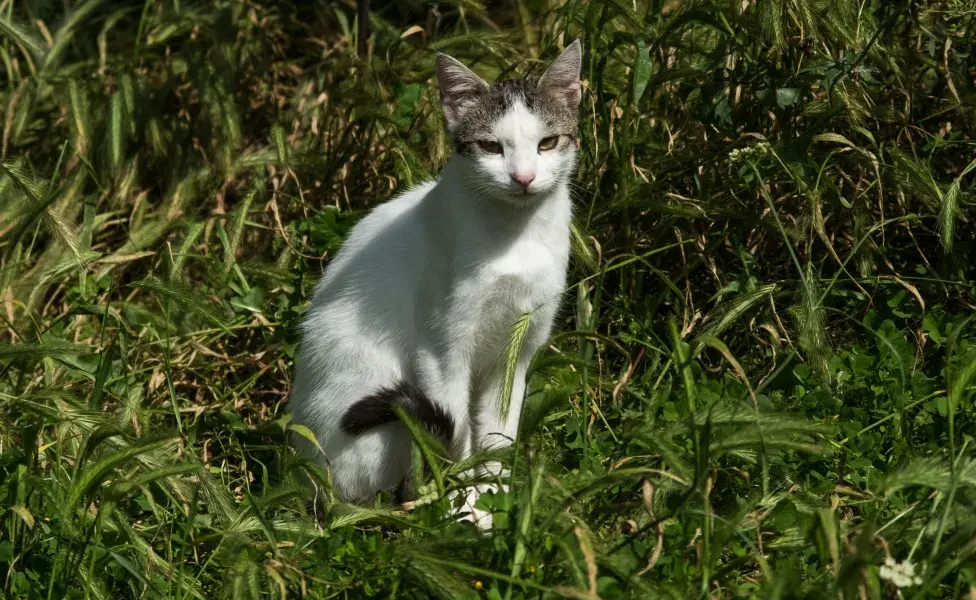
(417, 307)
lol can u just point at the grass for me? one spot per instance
(761, 387)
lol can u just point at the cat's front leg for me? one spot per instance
(494, 428)
(446, 379)
(447, 386)
(495, 425)
(456, 394)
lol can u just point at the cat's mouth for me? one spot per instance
(523, 193)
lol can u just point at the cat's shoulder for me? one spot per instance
(404, 201)
(388, 213)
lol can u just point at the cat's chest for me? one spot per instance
(531, 269)
(515, 282)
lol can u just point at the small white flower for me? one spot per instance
(758, 150)
(900, 574)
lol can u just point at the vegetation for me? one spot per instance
(762, 385)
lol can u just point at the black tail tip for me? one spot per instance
(378, 409)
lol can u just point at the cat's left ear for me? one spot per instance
(459, 86)
(562, 79)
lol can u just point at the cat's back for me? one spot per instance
(377, 265)
(382, 232)
(385, 219)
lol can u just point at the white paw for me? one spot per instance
(467, 512)
(481, 518)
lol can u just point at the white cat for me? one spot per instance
(417, 308)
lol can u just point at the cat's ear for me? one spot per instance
(459, 86)
(562, 79)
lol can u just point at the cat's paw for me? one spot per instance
(467, 512)
(480, 518)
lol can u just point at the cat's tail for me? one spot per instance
(378, 409)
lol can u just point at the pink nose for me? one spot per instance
(523, 179)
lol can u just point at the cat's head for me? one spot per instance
(518, 137)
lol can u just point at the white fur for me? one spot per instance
(426, 289)
(519, 132)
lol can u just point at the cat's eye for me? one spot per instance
(490, 147)
(548, 143)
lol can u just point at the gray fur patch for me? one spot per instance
(480, 113)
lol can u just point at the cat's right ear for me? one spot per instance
(459, 86)
(562, 79)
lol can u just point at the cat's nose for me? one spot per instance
(523, 179)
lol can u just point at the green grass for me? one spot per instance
(762, 383)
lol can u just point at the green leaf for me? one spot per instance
(237, 229)
(306, 433)
(184, 250)
(6, 551)
(786, 97)
(833, 137)
(115, 131)
(642, 70)
(52, 349)
(183, 296)
(513, 352)
(281, 144)
(96, 474)
(932, 324)
(19, 34)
